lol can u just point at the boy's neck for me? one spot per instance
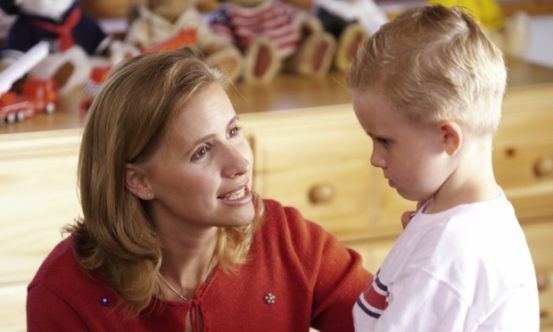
(471, 181)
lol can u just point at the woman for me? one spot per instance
(172, 236)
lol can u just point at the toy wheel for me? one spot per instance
(11, 117)
(20, 115)
(50, 108)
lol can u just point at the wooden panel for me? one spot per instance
(12, 308)
(540, 241)
(392, 206)
(37, 197)
(374, 252)
(523, 151)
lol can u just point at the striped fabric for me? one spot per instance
(273, 20)
(373, 300)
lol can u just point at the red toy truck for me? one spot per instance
(36, 95)
(14, 107)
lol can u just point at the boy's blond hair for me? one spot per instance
(435, 63)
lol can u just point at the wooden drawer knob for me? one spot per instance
(321, 193)
(542, 280)
(543, 167)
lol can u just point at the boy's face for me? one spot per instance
(410, 154)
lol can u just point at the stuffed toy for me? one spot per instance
(155, 21)
(350, 22)
(75, 37)
(274, 35)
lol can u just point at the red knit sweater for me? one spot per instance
(310, 278)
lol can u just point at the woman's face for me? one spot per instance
(201, 173)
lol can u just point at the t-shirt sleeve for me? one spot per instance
(420, 302)
(48, 312)
(517, 312)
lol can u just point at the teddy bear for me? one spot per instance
(77, 40)
(350, 22)
(155, 21)
(274, 36)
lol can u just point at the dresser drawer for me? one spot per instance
(38, 196)
(523, 159)
(318, 160)
(336, 195)
(540, 241)
(373, 252)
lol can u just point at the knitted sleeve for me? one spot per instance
(333, 271)
(48, 312)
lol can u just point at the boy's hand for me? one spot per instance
(406, 218)
(408, 215)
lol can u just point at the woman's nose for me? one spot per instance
(237, 162)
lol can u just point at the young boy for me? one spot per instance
(427, 88)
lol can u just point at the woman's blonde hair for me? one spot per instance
(434, 63)
(125, 123)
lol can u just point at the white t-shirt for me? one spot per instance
(465, 269)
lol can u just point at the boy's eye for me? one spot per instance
(201, 152)
(383, 141)
(386, 143)
(234, 131)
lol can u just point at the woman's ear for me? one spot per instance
(136, 182)
(451, 136)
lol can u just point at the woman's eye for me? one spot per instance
(201, 152)
(234, 131)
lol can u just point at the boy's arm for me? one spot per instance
(421, 302)
(518, 312)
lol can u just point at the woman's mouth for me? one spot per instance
(239, 196)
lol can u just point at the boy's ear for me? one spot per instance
(136, 182)
(451, 136)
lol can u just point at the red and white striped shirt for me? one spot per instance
(273, 19)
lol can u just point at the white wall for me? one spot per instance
(540, 43)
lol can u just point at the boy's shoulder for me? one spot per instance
(484, 237)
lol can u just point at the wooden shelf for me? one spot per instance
(287, 91)
(535, 7)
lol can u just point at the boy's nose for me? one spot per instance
(377, 161)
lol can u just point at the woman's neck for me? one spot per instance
(187, 258)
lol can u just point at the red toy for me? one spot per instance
(92, 86)
(99, 74)
(14, 107)
(36, 95)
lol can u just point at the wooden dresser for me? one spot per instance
(309, 153)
